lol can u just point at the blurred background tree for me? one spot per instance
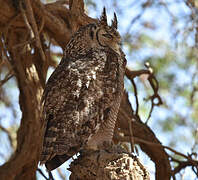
(163, 33)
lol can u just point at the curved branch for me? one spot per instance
(142, 131)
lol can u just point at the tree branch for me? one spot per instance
(106, 165)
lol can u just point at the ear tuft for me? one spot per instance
(114, 23)
(103, 18)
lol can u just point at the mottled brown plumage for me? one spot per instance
(82, 97)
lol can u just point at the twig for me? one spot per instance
(9, 25)
(42, 25)
(176, 152)
(35, 28)
(57, 25)
(41, 172)
(196, 140)
(59, 2)
(61, 174)
(126, 139)
(136, 97)
(182, 165)
(153, 82)
(23, 43)
(134, 20)
(194, 162)
(8, 134)
(154, 144)
(131, 136)
(155, 86)
(195, 87)
(76, 6)
(190, 162)
(5, 51)
(132, 74)
(137, 17)
(30, 29)
(2, 155)
(7, 77)
(26, 20)
(50, 176)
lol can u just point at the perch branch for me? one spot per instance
(106, 165)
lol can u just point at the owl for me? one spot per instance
(82, 96)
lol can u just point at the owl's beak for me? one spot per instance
(116, 48)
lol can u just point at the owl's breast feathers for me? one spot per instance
(80, 96)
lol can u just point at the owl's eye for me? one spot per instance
(109, 36)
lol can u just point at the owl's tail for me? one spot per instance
(56, 161)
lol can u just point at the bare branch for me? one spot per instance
(7, 78)
(62, 176)
(131, 136)
(51, 176)
(41, 172)
(35, 32)
(153, 82)
(9, 136)
(136, 97)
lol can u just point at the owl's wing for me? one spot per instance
(73, 109)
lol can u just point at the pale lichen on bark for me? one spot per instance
(105, 165)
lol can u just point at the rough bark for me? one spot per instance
(106, 165)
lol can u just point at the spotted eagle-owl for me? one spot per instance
(82, 97)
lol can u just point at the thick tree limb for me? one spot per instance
(103, 165)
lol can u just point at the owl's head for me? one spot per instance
(105, 35)
(95, 36)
